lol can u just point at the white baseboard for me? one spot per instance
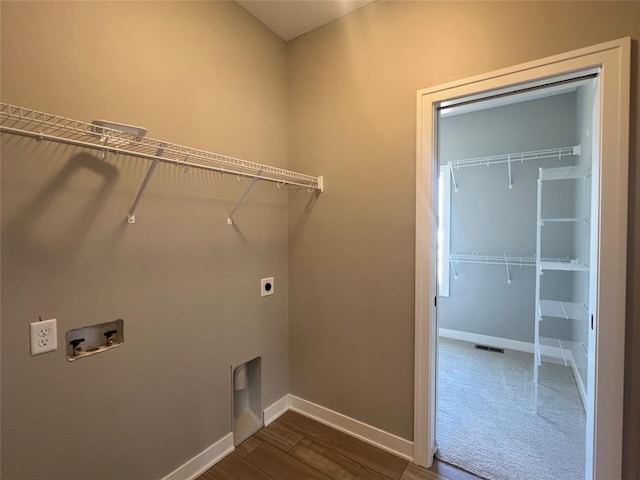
(274, 411)
(372, 435)
(486, 340)
(204, 460)
(362, 431)
(579, 380)
(554, 354)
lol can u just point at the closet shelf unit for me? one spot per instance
(509, 158)
(565, 220)
(566, 310)
(547, 308)
(554, 263)
(110, 137)
(572, 266)
(510, 259)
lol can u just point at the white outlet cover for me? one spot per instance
(44, 336)
(267, 287)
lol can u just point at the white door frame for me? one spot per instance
(613, 61)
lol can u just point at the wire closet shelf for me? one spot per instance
(514, 260)
(45, 126)
(508, 261)
(558, 152)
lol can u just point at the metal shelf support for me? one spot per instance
(131, 218)
(239, 202)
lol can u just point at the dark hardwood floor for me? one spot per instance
(295, 447)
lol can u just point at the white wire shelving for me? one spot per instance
(556, 263)
(545, 307)
(128, 140)
(552, 349)
(565, 173)
(566, 310)
(509, 158)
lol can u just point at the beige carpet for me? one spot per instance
(486, 421)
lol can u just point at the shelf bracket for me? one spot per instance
(242, 197)
(506, 264)
(453, 267)
(453, 177)
(564, 357)
(509, 168)
(564, 311)
(131, 218)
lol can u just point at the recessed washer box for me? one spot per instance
(86, 341)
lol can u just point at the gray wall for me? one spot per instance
(352, 104)
(488, 218)
(187, 285)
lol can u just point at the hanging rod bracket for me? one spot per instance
(131, 218)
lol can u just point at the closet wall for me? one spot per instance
(203, 74)
(488, 218)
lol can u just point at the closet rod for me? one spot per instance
(44, 126)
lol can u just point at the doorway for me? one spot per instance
(605, 373)
(515, 180)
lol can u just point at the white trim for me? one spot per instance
(276, 409)
(576, 373)
(362, 431)
(203, 461)
(604, 427)
(211, 455)
(424, 392)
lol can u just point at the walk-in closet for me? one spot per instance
(515, 245)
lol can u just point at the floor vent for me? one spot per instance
(488, 348)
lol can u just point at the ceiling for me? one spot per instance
(292, 18)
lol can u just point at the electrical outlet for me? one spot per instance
(267, 287)
(44, 336)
